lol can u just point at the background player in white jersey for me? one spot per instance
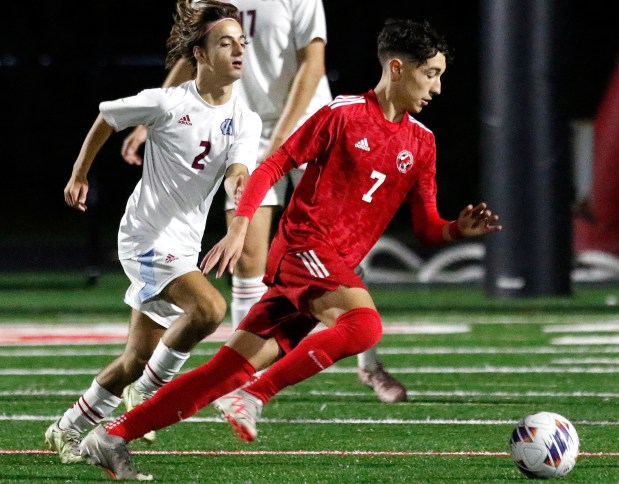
(284, 82)
(199, 133)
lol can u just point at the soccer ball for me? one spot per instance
(544, 445)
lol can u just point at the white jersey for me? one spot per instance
(190, 145)
(277, 29)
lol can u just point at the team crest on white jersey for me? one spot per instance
(227, 127)
(404, 161)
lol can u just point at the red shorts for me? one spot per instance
(294, 279)
(274, 316)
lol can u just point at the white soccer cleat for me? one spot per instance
(132, 397)
(241, 409)
(65, 442)
(110, 452)
(386, 387)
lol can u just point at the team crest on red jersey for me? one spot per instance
(404, 161)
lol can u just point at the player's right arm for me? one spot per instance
(77, 188)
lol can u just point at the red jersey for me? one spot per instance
(360, 169)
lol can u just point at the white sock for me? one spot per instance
(162, 366)
(92, 407)
(368, 360)
(246, 291)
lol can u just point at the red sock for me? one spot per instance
(185, 395)
(354, 332)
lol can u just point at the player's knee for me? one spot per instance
(363, 327)
(252, 261)
(208, 315)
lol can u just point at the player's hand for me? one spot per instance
(477, 220)
(132, 143)
(226, 253)
(75, 193)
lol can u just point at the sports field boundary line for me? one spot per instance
(203, 350)
(108, 333)
(486, 369)
(343, 453)
(333, 421)
(362, 394)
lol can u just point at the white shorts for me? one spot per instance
(149, 274)
(276, 196)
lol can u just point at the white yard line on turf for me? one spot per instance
(585, 361)
(43, 352)
(335, 421)
(341, 453)
(586, 340)
(409, 370)
(54, 334)
(610, 326)
(315, 393)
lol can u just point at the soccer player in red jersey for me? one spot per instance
(366, 156)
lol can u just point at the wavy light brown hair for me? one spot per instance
(190, 23)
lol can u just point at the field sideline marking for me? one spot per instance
(106, 333)
(343, 453)
(586, 340)
(334, 421)
(408, 370)
(585, 361)
(20, 351)
(317, 393)
(607, 326)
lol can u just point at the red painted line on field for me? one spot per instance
(52, 334)
(215, 453)
(65, 338)
(55, 334)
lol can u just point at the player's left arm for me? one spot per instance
(431, 229)
(311, 68)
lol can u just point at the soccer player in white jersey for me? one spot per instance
(199, 133)
(284, 81)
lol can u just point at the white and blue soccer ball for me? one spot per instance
(544, 445)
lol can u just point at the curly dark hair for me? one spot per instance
(190, 23)
(415, 40)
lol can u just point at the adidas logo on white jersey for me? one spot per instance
(185, 120)
(170, 258)
(362, 144)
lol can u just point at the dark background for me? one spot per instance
(58, 60)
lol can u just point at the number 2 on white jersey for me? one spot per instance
(380, 178)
